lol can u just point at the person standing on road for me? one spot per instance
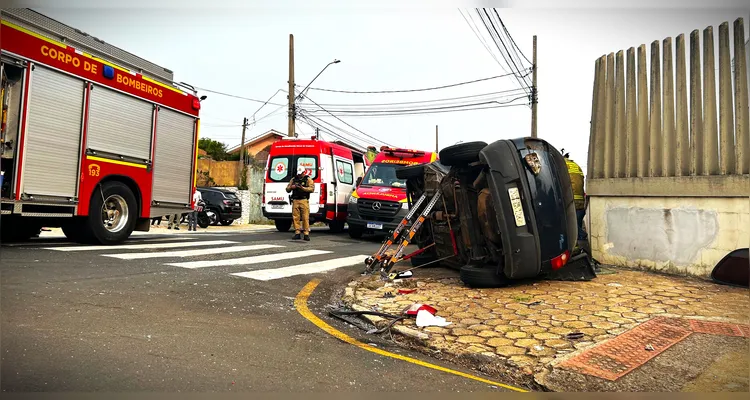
(193, 216)
(173, 221)
(300, 187)
(579, 196)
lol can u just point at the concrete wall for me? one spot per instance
(251, 198)
(224, 173)
(678, 235)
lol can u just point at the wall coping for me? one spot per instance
(680, 186)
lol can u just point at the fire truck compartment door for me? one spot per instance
(119, 124)
(53, 134)
(173, 157)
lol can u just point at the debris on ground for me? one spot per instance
(415, 308)
(425, 318)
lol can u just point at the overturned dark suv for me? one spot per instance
(506, 213)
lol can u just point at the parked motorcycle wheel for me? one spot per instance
(203, 220)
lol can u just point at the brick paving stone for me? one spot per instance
(478, 327)
(592, 318)
(504, 328)
(539, 317)
(579, 313)
(608, 314)
(560, 330)
(488, 334)
(436, 329)
(546, 336)
(576, 324)
(470, 339)
(494, 322)
(525, 311)
(558, 343)
(497, 342)
(449, 338)
(469, 321)
(516, 335)
(564, 317)
(619, 309)
(592, 331)
(604, 325)
(508, 351)
(463, 315)
(556, 323)
(522, 322)
(462, 332)
(634, 315)
(533, 329)
(567, 306)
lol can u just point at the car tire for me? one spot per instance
(283, 225)
(336, 226)
(356, 232)
(227, 222)
(410, 172)
(118, 197)
(420, 259)
(461, 154)
(482, 276)
(217, 219)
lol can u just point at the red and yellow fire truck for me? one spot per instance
(94, 139)
(379, 202)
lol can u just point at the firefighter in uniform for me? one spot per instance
(576, 180)
(300, 187)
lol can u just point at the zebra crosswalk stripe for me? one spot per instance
(302, 269)
(191, 253)
(250, 260)
(141, 246)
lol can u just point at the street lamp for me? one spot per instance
(316, 77)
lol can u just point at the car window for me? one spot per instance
(310, 164)
(230, 195)
(279, 169)
(345, 173)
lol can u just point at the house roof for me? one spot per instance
(256, 139)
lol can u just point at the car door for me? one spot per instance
(346, 182)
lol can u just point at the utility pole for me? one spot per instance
(533, 92)
(242, 151)
(436, 139)
(317, 133)
(290, 128)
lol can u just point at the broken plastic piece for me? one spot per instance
(405, 274)
(406, 291)
(415, 308)
(425, 318)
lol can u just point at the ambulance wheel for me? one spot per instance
(283, 225)
(410, 172)
(356, 232)
(461, 154)
(112, 214)
(336, 226)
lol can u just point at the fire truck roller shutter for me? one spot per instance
(172, 158)
(119, 124)
(55, 114)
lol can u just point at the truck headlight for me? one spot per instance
(352, 200)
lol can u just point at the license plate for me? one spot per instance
(515, 202)
(277, 206)
(373, 225)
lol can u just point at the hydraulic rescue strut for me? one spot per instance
(388, 263)
(373, 261)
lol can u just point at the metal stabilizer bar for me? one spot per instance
(373, 261)
(388, 264)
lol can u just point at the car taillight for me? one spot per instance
(323, 194)
(560, 261)
(228, 202)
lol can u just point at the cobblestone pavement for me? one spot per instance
(526, 326)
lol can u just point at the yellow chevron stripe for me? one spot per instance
(118, 162)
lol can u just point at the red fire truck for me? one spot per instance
(94, 139)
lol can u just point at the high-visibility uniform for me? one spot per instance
(576, 179)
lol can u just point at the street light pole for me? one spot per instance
(316, 77)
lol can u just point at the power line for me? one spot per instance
(475, 29)
(421, 101)
(512, 46)
(319, 125)
(411, 90)
(420, 112)
(511, 38)
(417, 109)
(345, 123)
(235, 96)
(513, 67)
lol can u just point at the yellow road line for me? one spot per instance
(300, 303)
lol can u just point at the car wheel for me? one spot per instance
(482, 276)
(214, 216)
(227, 222)
(283, 225)
(461, 154)
(336, 226)
(112, 214)
(356, 232)
(410, 172)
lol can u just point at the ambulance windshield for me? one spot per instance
(383, 175)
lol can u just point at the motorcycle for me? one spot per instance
(204, 215)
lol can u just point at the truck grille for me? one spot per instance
(388, 209)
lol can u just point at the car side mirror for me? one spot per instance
(359, 180)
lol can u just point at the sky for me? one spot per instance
(243, 50)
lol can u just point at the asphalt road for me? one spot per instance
(85, 321)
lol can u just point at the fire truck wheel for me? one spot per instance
(410, 172)
(336, 226)
(461, 154)
(283, 225)
(482, 276)
(112, 213)
(356, 232)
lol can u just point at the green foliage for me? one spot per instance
(217, 150)
(242, 185)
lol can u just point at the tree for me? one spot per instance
(215, 149)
